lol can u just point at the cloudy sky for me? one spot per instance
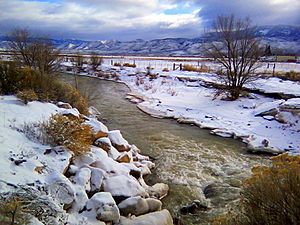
(133, 19)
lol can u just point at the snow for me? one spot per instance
(171, 95)
(96, 125)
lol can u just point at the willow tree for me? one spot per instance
(237, 49)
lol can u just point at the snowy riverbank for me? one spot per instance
(263, 123)
(102, 186)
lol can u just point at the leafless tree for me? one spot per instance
(95, 61)
(34, 52)
(237, 49)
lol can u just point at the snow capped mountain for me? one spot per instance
(282, 38)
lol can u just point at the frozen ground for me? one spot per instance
(265, 124)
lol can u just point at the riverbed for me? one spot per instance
(187, 158)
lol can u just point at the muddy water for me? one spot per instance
(188, 158)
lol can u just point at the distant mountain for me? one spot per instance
(283, 39)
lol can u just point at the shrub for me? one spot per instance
(27, 96)
(13, 211)
(165, 70)
(129, 65)
(10, 78)
(271, 196)
(69, 132)
(117, 64)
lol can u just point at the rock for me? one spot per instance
(195, 206)
(103, 204)
(139, 206)
(159, 190)
(64, 105)
(125, 157)
(154, 204)
(113, 153)
(222, 133)
(97, 176)
(99, 129)
(73, 112)
(61, 188)
(118, 141)
(82, 178)
(94, 113)
(103, 143)
(134, 206)
(124, 186)
(80, 201)
(162, 217)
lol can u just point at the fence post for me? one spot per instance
(274, 69)
(180, 66)
(173, 66)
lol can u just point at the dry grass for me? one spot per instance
(291, 75)
(165, 70)
(69, 132)
(117, 64)
(271, 196)
(27, 96)
(129, 65)
(202, 69)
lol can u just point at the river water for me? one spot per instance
(187, 158)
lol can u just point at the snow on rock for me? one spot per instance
(125, 157)
(139, 206)
(222, 133)
(124, 186)
(82, 178)
(103, 143)
(61, 188)
(162, 217)
(293, 103)
(97, 177)
(104, 206)
(64, 105)
(113, 153)
(118, 141)
(99, 129)
(159, 190)
(267, 108)
(70, 112)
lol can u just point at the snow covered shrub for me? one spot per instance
(27, 96)
(172, 92)
(19, 206)
(139, 81)
(271, 196)
(148, 86)
(69, 132)
(129, 65)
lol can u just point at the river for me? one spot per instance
(187, 158)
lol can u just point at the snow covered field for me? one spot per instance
(265, 124)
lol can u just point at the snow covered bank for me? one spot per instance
(189, 102)
(87, 189)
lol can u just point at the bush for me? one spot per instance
(271, 196)
(117, 64)
(129, 65)
(10, 78)
(27, 96)
(69, 132)
(46, 87)
(165, 70)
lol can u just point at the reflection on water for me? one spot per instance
(187, 158)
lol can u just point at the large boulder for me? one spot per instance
(82, 178)
(103, 204)
(138, 206)
(61, 188)
(162, 217)
(124, 186)
(118, 141)
(159, 190)
(99, 129)
(103, 143)
(97, 176)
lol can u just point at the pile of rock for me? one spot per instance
(107, 183)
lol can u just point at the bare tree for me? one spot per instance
(95, 61)
(34, 52)
(237, 50)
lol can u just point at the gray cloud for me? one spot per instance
(132, 19)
